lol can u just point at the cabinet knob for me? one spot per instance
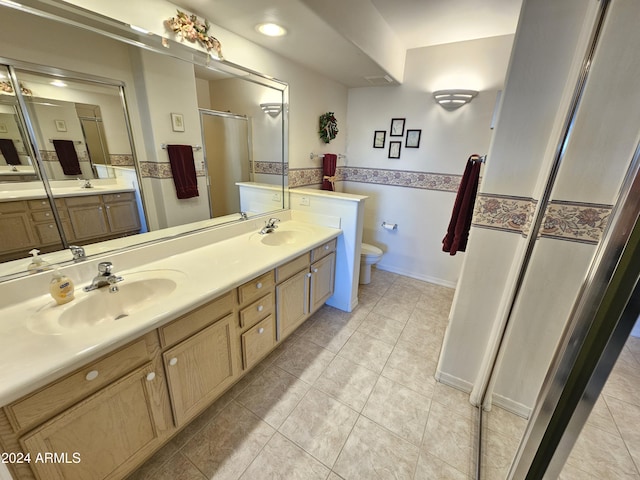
(260, 308)
(315, 270)
(107, 207)
(173, 361)
(100, 208)
(308, 275)
(50, 226)
(326, 247)
(47, 214)
(151, 376)
(92, 375)
(259, 285)
(260, 330)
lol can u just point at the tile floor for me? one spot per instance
(348, 396)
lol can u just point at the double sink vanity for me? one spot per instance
(107, 379)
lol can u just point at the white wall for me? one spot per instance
(447, 140)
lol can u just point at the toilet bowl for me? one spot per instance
(369, 255)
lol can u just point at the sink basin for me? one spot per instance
(283, 236)
(137, 292)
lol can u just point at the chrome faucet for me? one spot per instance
(243, 216)
(270, 226)
(86, 183)
(78, 253)
(104, 278)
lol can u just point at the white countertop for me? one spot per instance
(35, 190)
(30, 360)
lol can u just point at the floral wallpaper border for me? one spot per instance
(160, 170)
(503, 212)
(121, 159)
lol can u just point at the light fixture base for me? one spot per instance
(453, 99)
(272, 109)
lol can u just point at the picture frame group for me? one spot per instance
(397, 129)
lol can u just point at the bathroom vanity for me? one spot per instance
(125, 383)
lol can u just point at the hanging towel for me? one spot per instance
(183, 168)
(9, 152)
(67, 156)
(458, 232)
(329, 163)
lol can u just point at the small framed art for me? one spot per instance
(61, 125)
(177, 122)
(394, 149)
(379, 138)
(397, 127)
(413, 139)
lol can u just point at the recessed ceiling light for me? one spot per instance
(271, 29)
(58, 83)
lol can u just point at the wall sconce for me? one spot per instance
(452, 99)
(272, 109)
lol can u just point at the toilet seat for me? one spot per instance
(368, 251)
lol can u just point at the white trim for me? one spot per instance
(511, 406)
(425, 278)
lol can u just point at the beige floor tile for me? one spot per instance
(627, 420)
(623, 387)
(601, 417)
(366, 351)
(334, 476)
(227, 446)
(373, 452)
(381, 327)
(282, 460)
(177, 468)
(367, 300)
(455, 400)
(501, 421)
(273, 395)
(408, 365)
(572, 473)
(603, 454)
(394, 308)
(448, 437)
(347, 382)
(350, 320)
(403, 294)
(498, 452)
(328, 334)
(423, 332)
(398, 409)
(432, 468)
(320, 425)
(305, 360)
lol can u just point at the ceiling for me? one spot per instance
(359, 42)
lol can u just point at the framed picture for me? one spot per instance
(3, 128)
(379, 138)
(61, 125)
(413, 139)
(394, 149)
(177, 122)
(397, 127)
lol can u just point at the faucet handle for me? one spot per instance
(105, 268)
(77, 252)
(272, 222)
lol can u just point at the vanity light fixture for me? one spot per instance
(271, 29)
(58, 83)
(452, 99)
(272, 109)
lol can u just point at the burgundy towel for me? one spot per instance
(183, 168)
(9, 152)
(329, 163)
(67, 156)
(458, 232)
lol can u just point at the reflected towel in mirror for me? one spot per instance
(9, 152)
(67, 156)
(329, 162)
(183, 169)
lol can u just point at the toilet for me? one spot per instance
(369, 255)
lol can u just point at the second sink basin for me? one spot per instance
(137, 292)
(286, 235)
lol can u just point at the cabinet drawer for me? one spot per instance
(257, 310)
(47, 233)
(52, 399)
(258, 341)
(82, 200)
(255, 288)
(323, 250)
(118, 197)
(11, 207)
(39, 204)
(294, 266)
(196, 320)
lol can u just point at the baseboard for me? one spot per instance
(424, 278)
(455, 382)
(511, 406)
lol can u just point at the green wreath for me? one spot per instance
(328, 127)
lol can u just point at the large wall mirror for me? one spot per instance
(89, 129)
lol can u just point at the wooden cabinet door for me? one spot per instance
(200, 368)
(102, 437)
(323, 274)
(88, 222)
(122, 217)
(15, 232)
(292, 303)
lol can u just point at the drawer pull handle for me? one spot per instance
(151, 376)
(260, 330)
(260, 308)
(173, 361)
(259, 285)
(92, 375)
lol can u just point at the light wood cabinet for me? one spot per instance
(292, 302)
(122, 212)
(256, 322)
(102, 436)
(323, 274)
(200, 368)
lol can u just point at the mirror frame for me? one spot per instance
(75, 16)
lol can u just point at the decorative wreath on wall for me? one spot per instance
(328, 127)
(188, 27)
